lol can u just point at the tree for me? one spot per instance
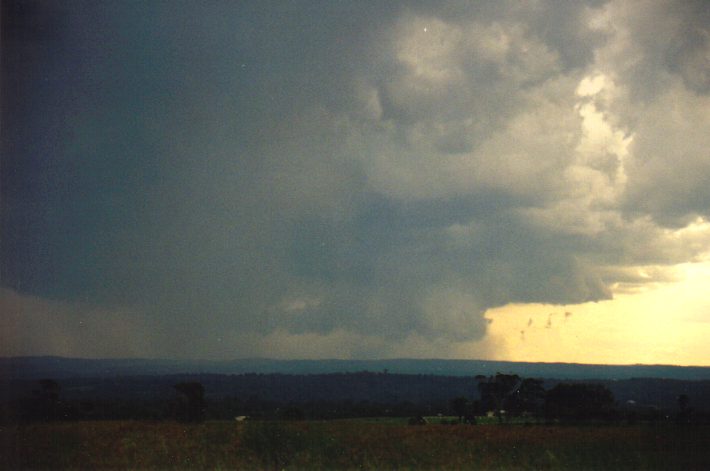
(497, 392)
(45, 404)
(528, 398)
(49, 390)
(192, 406)
(579, 401)
(417, 420)
(459, 406)
(685, 412)
(292, 412)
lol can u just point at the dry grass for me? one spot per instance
(349, 445)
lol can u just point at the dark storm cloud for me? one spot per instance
(668, 85)
(373, 174)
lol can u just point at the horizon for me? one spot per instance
(354, 360)
(499, 180)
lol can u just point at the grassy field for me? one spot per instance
(349, 444)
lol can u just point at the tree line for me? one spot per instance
(505, 396)
(502, 397)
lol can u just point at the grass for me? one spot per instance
(349, 444)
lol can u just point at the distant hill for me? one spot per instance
(60, 367)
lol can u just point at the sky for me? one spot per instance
(510, 180)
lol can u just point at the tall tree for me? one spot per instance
(459, 406)
(497, 392)
(192, 407)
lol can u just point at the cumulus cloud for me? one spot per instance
(281, 178)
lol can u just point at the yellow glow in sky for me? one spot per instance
(664, 323)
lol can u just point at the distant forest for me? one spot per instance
(344, 395)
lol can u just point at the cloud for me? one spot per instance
(658, 56)
(35, 326)
(373, 175)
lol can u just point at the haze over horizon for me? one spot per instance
(325, 360)
(521, 181)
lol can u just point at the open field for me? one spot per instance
(350, 444)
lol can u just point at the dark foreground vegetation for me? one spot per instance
(358, 420)
(350, 444)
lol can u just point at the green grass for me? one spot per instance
(349, 444)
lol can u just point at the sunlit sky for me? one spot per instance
(665, 323)
(316, 179)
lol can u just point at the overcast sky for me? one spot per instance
(218, 179)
